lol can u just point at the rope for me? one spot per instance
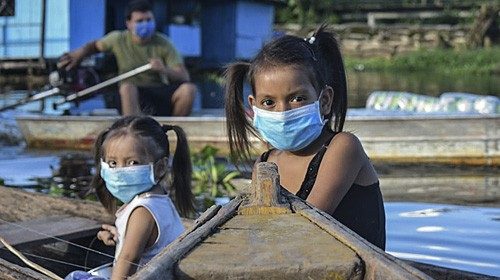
(30, 263)
(54, 260)
(57, 238)
(66, 241)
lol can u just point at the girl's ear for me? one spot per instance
(251, 100)
(326, 100)
(160, 168)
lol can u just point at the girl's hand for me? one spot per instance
(109, 235)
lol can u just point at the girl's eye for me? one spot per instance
(111, 163)
(267, 102)
(133, 162)
(299, 98)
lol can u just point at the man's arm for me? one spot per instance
(72, 59)
(177, 73)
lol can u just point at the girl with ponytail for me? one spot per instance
(132, 169)
(299, 103)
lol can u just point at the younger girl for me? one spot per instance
(299, 102)
(132, 166)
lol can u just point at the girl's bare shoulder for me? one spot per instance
(345, 144)
(345, 139)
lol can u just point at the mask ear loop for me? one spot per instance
(164, 174)
(325, 120)
(322, 118)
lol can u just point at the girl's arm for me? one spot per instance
(343, 164)
(140, 230)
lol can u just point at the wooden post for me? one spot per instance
(265, 197)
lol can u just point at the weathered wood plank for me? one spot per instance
(41, 231)
(265, 197)
(10, 271)
(270, 246)
(162, 265)
(378, 264)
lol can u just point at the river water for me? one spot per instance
(460, 237)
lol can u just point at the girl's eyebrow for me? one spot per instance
(134, 157)
(266, 95)
(298, 90)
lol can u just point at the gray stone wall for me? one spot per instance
(361, 40)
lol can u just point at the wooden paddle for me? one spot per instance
(71, 97)
(104, 84)
(35, 97)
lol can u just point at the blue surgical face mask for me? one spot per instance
(125, 183)
(145, 29)
(290, 130)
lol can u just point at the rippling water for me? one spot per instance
(460, 237)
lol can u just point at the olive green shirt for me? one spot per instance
(130, 55)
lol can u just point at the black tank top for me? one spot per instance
(361, 209)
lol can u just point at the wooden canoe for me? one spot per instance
(36, 211)
(272, 234)
(458, 139)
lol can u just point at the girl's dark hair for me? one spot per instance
(150, 129)
(319, 55)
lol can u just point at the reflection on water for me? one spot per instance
(452, 236)
(361, 84)
(66, 174)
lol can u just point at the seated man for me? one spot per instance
(166, 88)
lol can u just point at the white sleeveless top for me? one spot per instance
(167, 220)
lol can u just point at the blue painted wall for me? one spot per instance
(87, 21)
(234, 30)
(254, 27)
(217, 32)
(186, 38)
(69, 24)
(20, 34)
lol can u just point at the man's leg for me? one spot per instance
(129, 96)
(182, 99)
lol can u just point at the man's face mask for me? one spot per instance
(145, 29)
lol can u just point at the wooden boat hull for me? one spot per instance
(10, 266)
(268, 233)
(462, 139)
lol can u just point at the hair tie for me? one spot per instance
(167, 127)
(310, 40)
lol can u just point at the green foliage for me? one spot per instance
(305, 12)
(211, 178)
(2, 182)
(49, 186)
(475, 62)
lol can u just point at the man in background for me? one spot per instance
(164, 90)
